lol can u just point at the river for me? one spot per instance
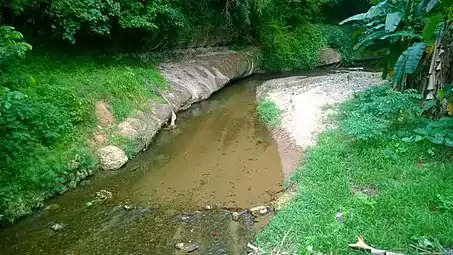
(219, 159)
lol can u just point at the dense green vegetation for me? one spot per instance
(47, 121)
(394, 191)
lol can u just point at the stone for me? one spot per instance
(187, 247)
(104, 194)
(52, 207)
(259, 210)
(112, 157)
(72, 184)
(57, 227)
(235, 216)
(328, 56)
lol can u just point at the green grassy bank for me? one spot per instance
(47, 120)
(393, 190)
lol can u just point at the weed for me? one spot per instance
(411, 197)
(269, 112)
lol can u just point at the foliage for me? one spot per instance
(160, 23)
(384, 184)
(46, 124)
(378, 110)
(436, 131)
(400, 31)
(269, 112)
(12, 46)
(287, 48)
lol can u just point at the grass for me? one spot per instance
(269, 112)
(72, 85)
(393, 193)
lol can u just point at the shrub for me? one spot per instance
(298, 48)
(378, 110)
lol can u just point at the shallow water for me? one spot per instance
(219, 154)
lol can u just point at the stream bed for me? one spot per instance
(178, 195)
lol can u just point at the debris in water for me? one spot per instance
(187, 247)
(259, 210)
(213, 233)
(104, 194)
(253, 247)
(52, 207)
(128, 207)
(208, 207)
(57, 227)
(236, 216)
(339, 216)
(140, 211)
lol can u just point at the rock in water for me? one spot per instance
(112, 158)
(187, 247)
(57, 227)
(52, 207)
(235, 216)
(329, 56)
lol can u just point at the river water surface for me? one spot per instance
(220, 156)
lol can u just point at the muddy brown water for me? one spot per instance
(219, 155)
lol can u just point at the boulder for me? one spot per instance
(329, 56)
(112, 158)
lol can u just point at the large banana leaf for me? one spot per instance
(374, 11)
(404, 33)
(369, 39)
(392, 21)
(430, 5)
(430, 28)
(408, 61)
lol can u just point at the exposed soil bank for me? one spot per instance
(218, 155)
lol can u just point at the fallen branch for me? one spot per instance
(362, 245)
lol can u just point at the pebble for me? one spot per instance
(259, 210)
(57, 227)
(236, 216)
(52, 207)
(187, 247)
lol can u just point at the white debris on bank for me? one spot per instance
(302, 100)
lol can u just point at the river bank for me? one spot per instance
(355, 179)
(98, 113)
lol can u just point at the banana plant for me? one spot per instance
(401, 31)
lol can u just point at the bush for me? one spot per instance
(298, 48)
(378, 110)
